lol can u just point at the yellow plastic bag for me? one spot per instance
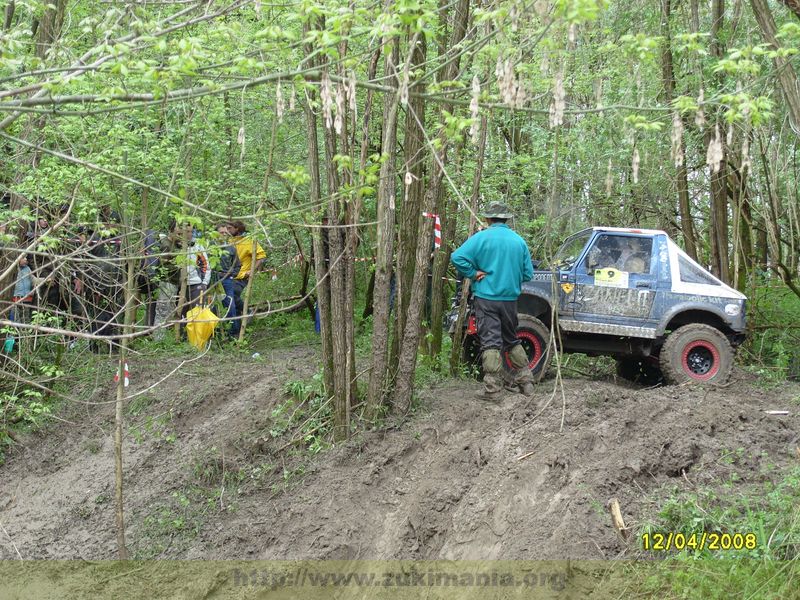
(200, 326)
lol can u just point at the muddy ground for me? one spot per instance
(457, 479)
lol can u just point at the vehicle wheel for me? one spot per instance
(535, 338)
(697, 353)
(639, 370)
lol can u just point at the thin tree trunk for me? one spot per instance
(9, 16)
(122, 551)
(772, 208)
(404, 384)
(407, 360)
(718, 233)
(458, 336)
(319, 240)
(337, 273)
(441, 258)
(682, 180)
(742, 241)
(351, 236)
(49, 28)
(414, 189)
(186, 236)
(385, 236)
(787, 77)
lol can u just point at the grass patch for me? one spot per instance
(769, 568)
(773, 350)
(213, 486)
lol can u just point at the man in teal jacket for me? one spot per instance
(497, 260)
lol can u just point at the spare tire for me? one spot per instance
(696, 353)
(535, 339)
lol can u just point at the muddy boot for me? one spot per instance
(492, 376)
(523, 378)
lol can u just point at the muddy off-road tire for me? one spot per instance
(697, 353)
(639, 370)
(535, 338)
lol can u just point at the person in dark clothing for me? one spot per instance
(146, 277)
(229, 266)
(102, 275)
(497, 260)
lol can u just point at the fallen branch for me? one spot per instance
(617, 520)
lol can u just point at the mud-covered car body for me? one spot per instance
(630, 309)
(625, 293)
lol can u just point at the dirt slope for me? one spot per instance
(448, 482)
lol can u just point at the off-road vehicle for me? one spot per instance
(632, 294)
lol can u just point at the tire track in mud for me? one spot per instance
(445, 482)
(57, 497)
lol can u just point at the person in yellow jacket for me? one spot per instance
(244, 250)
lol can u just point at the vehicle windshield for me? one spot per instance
(569, 252)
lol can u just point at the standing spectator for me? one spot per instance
(23, 291)
(248, 250)
(104, 291)
(179, 243)
(229, 266)
(198, 273)
(23, 295)
(146, 278)
(168, 277)
(497, 260)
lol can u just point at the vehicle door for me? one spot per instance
(615, 284)
(564, 268)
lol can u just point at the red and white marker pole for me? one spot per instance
(437, 229)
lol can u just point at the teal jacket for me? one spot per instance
(502, 255)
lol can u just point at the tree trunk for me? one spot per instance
(319, 240)
(407, 360)
(404, 384)
(414, 190)
(385, 216)
(130, 315)
(49, 28)
(718, 217)
(448, 210)
(458, 336)
(682, 180)
(9, 16)
(787, 77)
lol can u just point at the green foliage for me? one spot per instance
(156, 427)
(743, 106)
(770, 570)
(641, 123)
(580, 11)
(307, 415)
(772, 350)
(640, 46)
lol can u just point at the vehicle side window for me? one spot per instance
(623, 253)
(691, 273)
(569, 252)
(635, 254)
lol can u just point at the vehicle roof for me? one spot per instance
(625, 230)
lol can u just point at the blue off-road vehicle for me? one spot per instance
(632, 294)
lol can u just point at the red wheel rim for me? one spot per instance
(700, 360)
(530, 342)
